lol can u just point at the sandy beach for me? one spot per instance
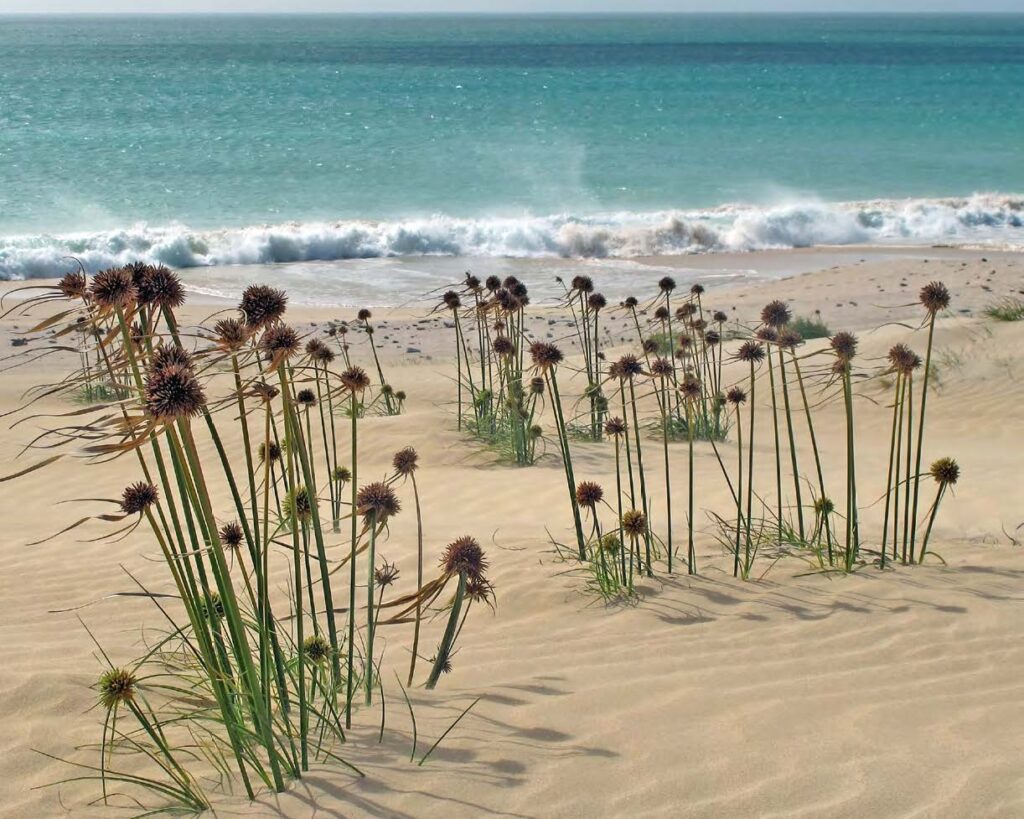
(794, 694)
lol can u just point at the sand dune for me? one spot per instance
(799, 694)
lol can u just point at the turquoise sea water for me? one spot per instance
(218, 140)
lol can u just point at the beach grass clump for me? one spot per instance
(268, 683)
(810, 327)
(1009, 308)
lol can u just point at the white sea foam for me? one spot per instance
(982, 219)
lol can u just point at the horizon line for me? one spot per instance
(440, 13)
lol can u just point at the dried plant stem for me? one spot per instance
(648, 559)
(419, 579)
(792, 444)
(920, 433)
(893, 448)
(815, 450)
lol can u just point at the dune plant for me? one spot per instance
(945, 472)
(752, 354)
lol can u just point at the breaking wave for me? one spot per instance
(981, 219)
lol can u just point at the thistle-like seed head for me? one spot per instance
(159, 286)
(464, 555)
(231, 333)
(720, 317)
(582, 284)
(903, 359)
(537, 385)
(166, 355)
(661, 368)
(406, 461)
(451, 300)
(472, 283)
(615, 426)
(314, 348)
(667, 284)
(824, 506)
(114, 288)
(545, 355)
(634, 523)
(173, 392)
(298, 505)
(690, 388)
(536, 431)
(385, 574)
(751, 351)
(935, 297)
(364, 315)
(355, 379)
(271, 452)
(73, 285)
(589, 494)
(776, 314)
(116, 686)
(945, 471)
(138, 497)
(789, 339)
(231, 535)
(341, 474)
(697, 289)
(264, 391)
(377, 501)
(611, 543)
(597, 302)
(661, 313)
(492, 283)
(279, 341)
(480, 590)
(844, 345)
(630, 302)
(767, 335)
(649, 346)
(628, 367)
(687, 310)
(712, 338)
(262, 305)
(317, 649)
(305, 398)
(504, 347)
(736, 396)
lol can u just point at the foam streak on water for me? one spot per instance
(991, 219)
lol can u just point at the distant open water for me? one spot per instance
(199, 141)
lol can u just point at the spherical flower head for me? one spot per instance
(313, 348)
(667, 284)
(610, 543)
(116, 686)
(504, 347)
(305, 397)
(629, 367)
(935, 297)
(661, 313)
(265, 392)
(400, 395)
(231, 334)
(615, 426)
(298, 505)
(789, 339)
(684, 344)
(545, 355)
(687, 310)
(720, 317)
(364, 315)
(903, 359)
(165, 355)
(536, 431)
(271, 452)
(736, 396)
(138, 497)
(844, 345)
(582, 284)
(697, 289)
(317, 649)
(945, 471)
(159, 286)
(492, 283)
(537, 385)
(341, 474)
(649, 346)
(173, 392)
(231, 535)
(323, 355)
(464, 556)
(661, 368)
(699, 325)
(73, 285)
(472, 282)
(506, 302)
(690, 388)
(387, 389)
(630, 302)
(824, 506)
(634, 523)
(262, 305)
(385, 574)
(114, 288)
(776, 314)
(767, 335)
(751, 351)
(451, 300)
(406, 461)
(279, 341)
(480, 590)
(519, 290)
(597, 302)
(588, 494)
(377, 501)
(712, 338)
(355, 379)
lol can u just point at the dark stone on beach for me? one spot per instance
(19, 342)
(412, 350)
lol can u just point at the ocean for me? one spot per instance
(263, 140)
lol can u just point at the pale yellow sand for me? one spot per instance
(879, 695)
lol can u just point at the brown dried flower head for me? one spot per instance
(355, 379)
(776, 314)
(231, 535)
(751, 352)
(589, 494)
(736, 396)
(634, 523)
(545, 355)
(138, 497)
(262, 305)
(173, 392)
(279, 341)
(377, 501)
(231, 333)
(114, 288)
(73, 285)
(615, 426)
(406, 461)
(945, 471)
(935, 297)
(464, 556)
(844, 345)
